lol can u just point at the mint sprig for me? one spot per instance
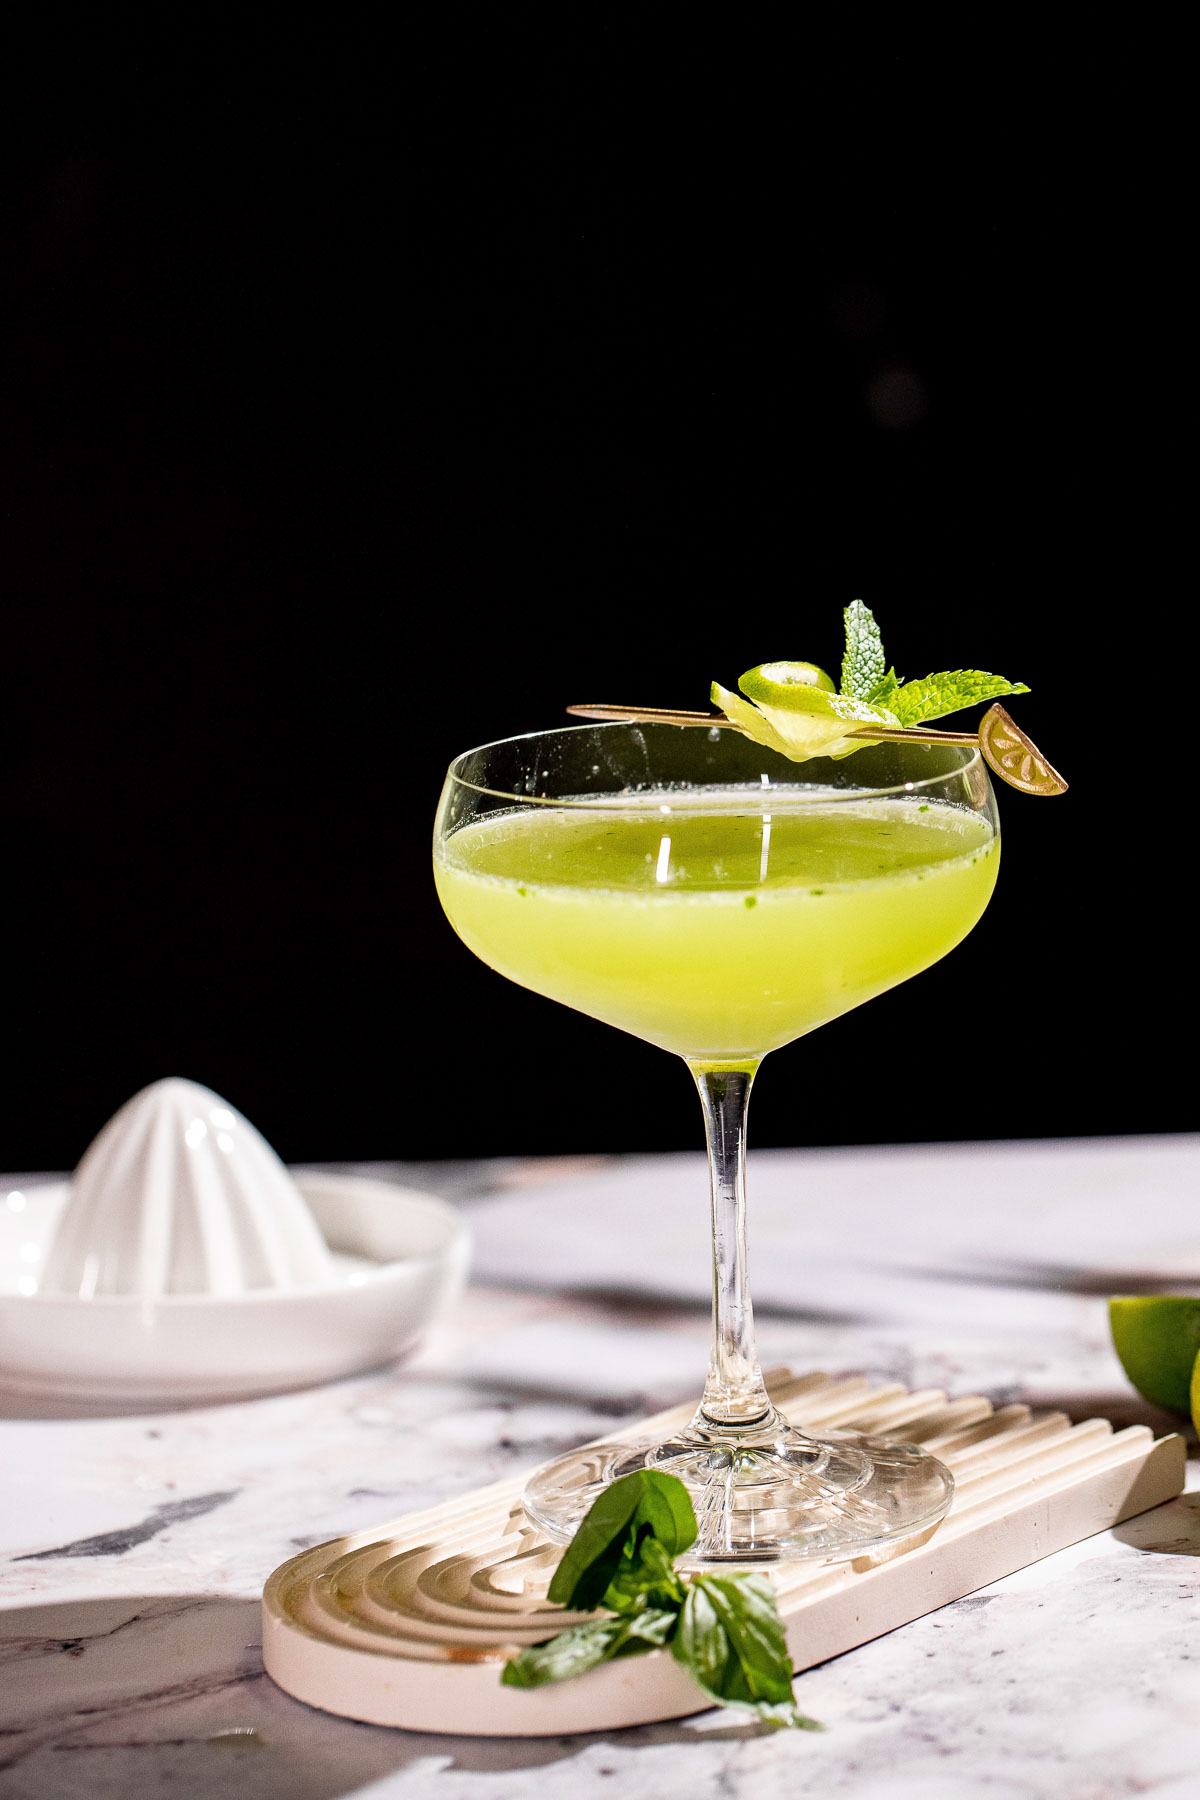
(866, 676)
(724, 1629)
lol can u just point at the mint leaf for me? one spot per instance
(584, 1647)
(936, 695)
(885, 690)
(863, 663)
(645, 1502)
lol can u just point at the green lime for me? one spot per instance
(1157, 1337)
(778, 683)
(793, 708)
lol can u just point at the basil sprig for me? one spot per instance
(724, 1629)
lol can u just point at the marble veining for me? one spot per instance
(133, 1547)
(117, 1543)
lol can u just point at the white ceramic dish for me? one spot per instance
(398, 1258)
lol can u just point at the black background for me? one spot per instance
(369, 399)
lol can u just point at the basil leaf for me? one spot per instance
(609, 1532)
(700, 1643)
(646, 1580)
(591, 1558)
(724, 1629)
(864, 663)
(648, 1630)
(583, 1647)
(745, 1606)
(658, 1559)
(559, 1658)
(666, 1507)
(736, 1614)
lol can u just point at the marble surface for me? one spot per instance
(133, 1547)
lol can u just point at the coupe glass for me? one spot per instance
(715, 898)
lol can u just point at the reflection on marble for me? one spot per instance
(134, 1547)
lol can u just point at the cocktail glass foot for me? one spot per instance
(765, 1493)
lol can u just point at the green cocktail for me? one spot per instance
(708, 893)
(711, 927)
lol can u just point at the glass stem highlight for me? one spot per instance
(735, 1396)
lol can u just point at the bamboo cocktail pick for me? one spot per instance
(1006, 749)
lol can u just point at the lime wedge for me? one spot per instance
(1196, 1394)
(774, 681)
(1157, 1337)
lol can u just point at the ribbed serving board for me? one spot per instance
(410, 1623)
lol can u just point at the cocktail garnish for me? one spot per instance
(792, 707)
(795, 718)
(787, 710)
(1014, 757)
(724, 1629)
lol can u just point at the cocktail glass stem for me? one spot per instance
(735, 1395)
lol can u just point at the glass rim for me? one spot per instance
(621, 801)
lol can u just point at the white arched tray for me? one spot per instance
(410, 1623)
